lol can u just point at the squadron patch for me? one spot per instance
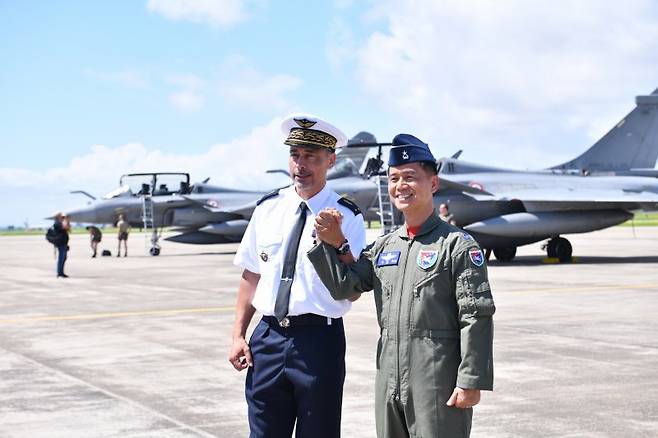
(388, 258)
(476, 256)
(427, 258)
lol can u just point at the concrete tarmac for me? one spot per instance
(137, 346)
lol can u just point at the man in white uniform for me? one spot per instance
(296, 354)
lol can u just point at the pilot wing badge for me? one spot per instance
(427, 258)
(388, 259)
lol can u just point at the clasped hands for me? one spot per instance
(327, 227)
(328, 230)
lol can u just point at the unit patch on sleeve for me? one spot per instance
(427, 258)
(388, 258)
(476, 256)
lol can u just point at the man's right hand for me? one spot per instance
(240, 355)
(327, 227)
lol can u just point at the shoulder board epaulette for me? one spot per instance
(350, 205)
(272, 194)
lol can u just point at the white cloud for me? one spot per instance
(507, 80)
(340, 46)
(243, 85)
(217, 13)
(187, 101)
(239, 163)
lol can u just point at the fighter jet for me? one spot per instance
(202, 213)
(503, 209)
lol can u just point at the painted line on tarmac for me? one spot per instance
(116, 315)
(592, 288)
(116, 396)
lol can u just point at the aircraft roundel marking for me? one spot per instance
(476, 185)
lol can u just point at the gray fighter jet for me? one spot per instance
(504, 209)
(202, 213)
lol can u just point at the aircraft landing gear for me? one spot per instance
(505, 254)
(155, 248)
(559, 248)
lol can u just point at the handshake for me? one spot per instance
(327, 227)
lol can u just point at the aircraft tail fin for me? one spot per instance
(631, 143)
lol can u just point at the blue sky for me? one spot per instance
(91, 90)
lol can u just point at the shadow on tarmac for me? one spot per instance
(537, 261)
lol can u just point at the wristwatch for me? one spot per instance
(344, 248)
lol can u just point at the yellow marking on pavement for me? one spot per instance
(117, 315)
(594, 288)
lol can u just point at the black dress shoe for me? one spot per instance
(62, 275)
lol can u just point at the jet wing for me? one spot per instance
(447, 185)
(565, 199)
(242, 209)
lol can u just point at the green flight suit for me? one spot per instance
(434, 308)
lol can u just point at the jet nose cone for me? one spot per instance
(87, 214)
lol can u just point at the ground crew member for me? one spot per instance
(445, 215)
(434, 305)
(296, 354)
(95, 236)
(124, 229)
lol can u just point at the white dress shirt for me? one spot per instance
(263, 249)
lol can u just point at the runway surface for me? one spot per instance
(137, 346)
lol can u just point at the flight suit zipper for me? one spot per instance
(396, 393)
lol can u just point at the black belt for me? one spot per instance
(299, 320)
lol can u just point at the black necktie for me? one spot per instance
(288, 272)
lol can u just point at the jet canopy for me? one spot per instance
(154, 184)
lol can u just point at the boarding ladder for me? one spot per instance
(149, 224)
(386, 208)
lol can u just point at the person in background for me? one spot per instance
(124, 230)
(95, 236)
(62, 227)
(445, 214)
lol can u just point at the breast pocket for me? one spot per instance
(270, 254)
(433, 303)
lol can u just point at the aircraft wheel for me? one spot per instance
(505, 254)
(563, 249)
(154, 251)
(550, 248)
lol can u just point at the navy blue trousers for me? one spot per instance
(62, 251)
(298, 375)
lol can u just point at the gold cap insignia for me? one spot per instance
(305, 123)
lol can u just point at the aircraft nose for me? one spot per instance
(87, 214)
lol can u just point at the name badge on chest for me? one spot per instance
(388, 258)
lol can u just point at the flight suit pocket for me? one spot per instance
(433, 305)
(474, 294)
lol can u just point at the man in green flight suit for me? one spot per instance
(434, 304)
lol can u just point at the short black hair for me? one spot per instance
(429, 167)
